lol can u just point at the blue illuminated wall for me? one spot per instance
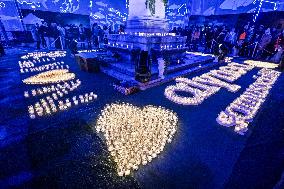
(198, 7)
(109, 12)
(71, 6)
(114, 12)
(63, 6)
(104, 12)
(176, 12)
(9, 16)
(178, 9)
(219, 7)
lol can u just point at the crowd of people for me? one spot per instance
(257, 42)
(250, 41)
(50, 36)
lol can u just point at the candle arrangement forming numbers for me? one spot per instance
(58, 89)
(85, 51)
(53, 76)
(31, 63)
(51, 104)
(37, 55)
(242, 110)
(46, 67)
(56, 80)
(206, 85)
(148, 34)
(134, 135)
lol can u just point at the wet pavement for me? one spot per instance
(64, 151)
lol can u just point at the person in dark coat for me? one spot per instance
(82, 35)
(42, 32)
(2, 51)
(3, 31)
(36, 36)
(95, 31)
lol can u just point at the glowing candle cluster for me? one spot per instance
(162, 47)
(53, 76)
(120, 45)
(31, 63)
(199, 54)
(148, 34)
(228, 59)
(261, 64)
(51, 104)
(57, 82)
(242, 110)
(135, 135)
(51, 66)
(59, 88)
(85, 51)
(37, 55)
(204, 86)
(26, 64)
(165, 47)
(230, 73)
(43, 60)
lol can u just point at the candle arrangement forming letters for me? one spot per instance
(204, 86)
(242, 110)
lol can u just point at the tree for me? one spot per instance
(151, 5)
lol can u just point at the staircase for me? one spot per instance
(125, 71)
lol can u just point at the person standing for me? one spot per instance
(101, 36)
(231, 39)
(45, 35)
(41, 31)
(279, 48)
(88, 32)
(4, 33)
(241, 42)
(56, 36)
(36, 36)
(95, 31)
(53, 36)
(259, 33)
(195, 38)
(62, 33)
(214, 43)
(106, 33)
(208, 39)
(82, 35)
(264, 41)
(221, 36)
(249, 42)
(2, 51)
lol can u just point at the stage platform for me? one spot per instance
(125, 71)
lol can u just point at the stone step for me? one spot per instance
(189, 63)
(170, 77)
(116, 74)
(153, 83)
(192, 64)
(124, 70)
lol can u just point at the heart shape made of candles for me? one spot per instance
(135, 135)
(52, 76)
